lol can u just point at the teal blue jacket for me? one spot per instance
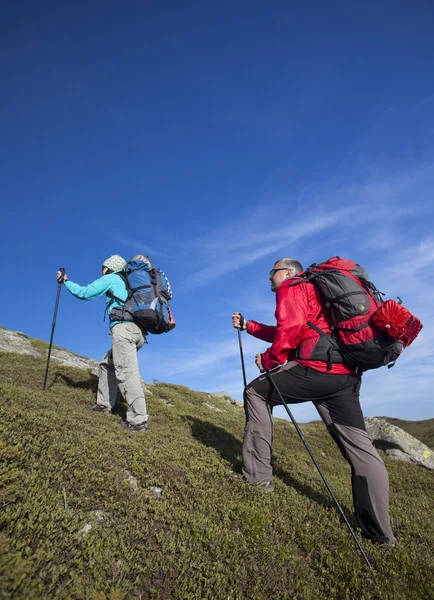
(107, 283)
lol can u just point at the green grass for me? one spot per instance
(209, 536)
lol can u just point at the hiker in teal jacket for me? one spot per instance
(119, 366)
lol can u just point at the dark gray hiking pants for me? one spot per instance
(336, 398)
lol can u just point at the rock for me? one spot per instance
(130, 480)
(397, 443)
(116, 568)
(223, 396)
(70, 359)
(85, 530)
(96, 515)
(13, 341)
(164, 401)
(398, 454)
(212, 407)
(156, 492)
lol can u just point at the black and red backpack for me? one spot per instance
(367, 333)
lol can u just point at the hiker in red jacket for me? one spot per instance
(302, 372)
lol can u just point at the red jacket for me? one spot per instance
(295, 305)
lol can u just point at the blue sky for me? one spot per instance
(217, 138)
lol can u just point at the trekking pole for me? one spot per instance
(241, 350)
(242, 358)
(338, 506)
(59, 287)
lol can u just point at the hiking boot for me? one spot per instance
(101, 408)
(141, 427)
(388, 544)
(264, 486)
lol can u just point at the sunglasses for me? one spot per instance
(273, 271)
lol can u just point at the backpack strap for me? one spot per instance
(353, 329)
(296, 280)
(113, 297)
(153, 279)
(315, 328)
(337, 298)
(329, 351)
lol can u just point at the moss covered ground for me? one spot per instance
(81, 516)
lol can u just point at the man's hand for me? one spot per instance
(61, 277)
(258, 361)
(238, 321)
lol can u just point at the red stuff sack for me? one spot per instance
(398, 322)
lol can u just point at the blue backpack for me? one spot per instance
(149, 292)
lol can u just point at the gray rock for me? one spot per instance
(14, 341)
(164, 401)
(116, 568)
(223, 396)
(70, 359)
(130, 480)
(397, 443)
(95, 517)
(398, 454)
(85, 530)
(156, 492)
(212, 407)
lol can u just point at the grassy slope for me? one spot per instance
(210, 535)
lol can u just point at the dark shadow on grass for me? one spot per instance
(230, 448)
(321, 498)
(91, 383)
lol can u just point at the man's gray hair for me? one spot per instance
(290, 263)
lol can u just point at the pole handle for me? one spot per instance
(62, 276)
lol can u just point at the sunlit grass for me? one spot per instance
(64, 468)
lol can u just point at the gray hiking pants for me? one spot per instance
(336, 398)
(119, 367)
